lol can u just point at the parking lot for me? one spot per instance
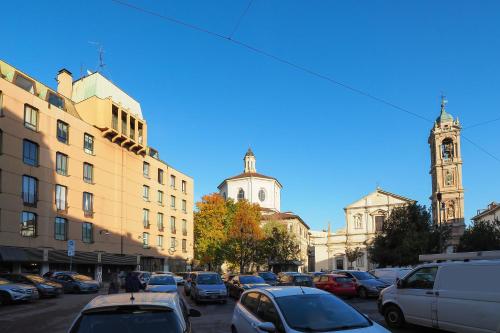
(55, 315)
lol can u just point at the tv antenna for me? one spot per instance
(100, 50)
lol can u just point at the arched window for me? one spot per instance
(241, 194)
(447, 151)
(262, 195)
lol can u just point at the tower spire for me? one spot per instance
(249, 161)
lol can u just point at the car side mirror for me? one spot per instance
(267, 327)
(399, 283)
(194, 313)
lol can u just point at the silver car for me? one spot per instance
(16, 292)
(162, 283)
(295, 310)
(140, 312)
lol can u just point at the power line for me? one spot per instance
(291, 64)
(240, 19)
(482, 123)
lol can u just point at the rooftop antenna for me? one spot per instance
(100, 50)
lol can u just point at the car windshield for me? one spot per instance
(162, 280)
(79, 277)
(319, 313)
(363, 275)
(129, 321)
(268, 275)
(35, 278)
(251, 279)
(208, 279)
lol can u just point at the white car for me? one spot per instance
(296, 310)
(16, 292)
(142, 312)
(162, 283)
(453, 296)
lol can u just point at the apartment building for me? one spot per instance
(75, 165)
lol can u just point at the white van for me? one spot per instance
(390, 275)
(453, 296)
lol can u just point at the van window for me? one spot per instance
(422, 278)
(251, 302)
(470, 278)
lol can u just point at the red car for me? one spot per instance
(337, 284)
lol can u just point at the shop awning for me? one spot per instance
(19, 254)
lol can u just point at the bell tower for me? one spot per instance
(249, 161)
(446, 172)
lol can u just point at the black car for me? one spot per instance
(76, 283)
(240, 283)
(270, 278)
(45, 287)
(296, 279)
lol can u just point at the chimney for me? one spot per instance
(64, 83)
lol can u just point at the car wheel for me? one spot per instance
(5, 299)
(362, 293)
(394, 317)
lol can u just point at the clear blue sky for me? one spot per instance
(206, 100)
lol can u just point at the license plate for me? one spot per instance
(213, 296)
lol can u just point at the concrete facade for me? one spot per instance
(110, 233)
(489, 214)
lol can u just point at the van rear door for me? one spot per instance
(469, 297)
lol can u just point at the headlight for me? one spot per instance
(17, 290)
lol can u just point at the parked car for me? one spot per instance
(16, 292)
(452, 296)
(294, 309)
(339, 285)
(315, 274)
(270, 278)
(45, 287)
(187, 283)
(240, 283)
(390, 275)
(295, 279)
(162, 283)
(207, 286)
(76, 283)
(143, 277)
(145, 312)
(367, 284)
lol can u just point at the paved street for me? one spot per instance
(56, 315)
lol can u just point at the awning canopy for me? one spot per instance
(19, 254)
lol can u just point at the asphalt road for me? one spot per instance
(56, 315)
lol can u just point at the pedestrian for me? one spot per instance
(132, 283)
(114, 285)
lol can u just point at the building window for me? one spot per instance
(1, 104)
(262, 195)
(114, 117)
(62, 131)
(87, 232)
(360, 262)
(447, 150)
(145, 169)
(28, 224)
(241, 194)
(30, 117)
(88, 144)
(172, 201)
(30, 153)
(61, 229)
(61, 197)
(23, 82)
(30, 191)
(55, 100)
(160, 197)
(184, 246)
(145, 192)
(88, 173)
(172, 243)
(124, 123)
(159, 221)
(184, 228)
(132, 128)
(140, 140)
(184, 206)
(358, 224)
(88, 204)
(172, 224)
(145, 218)
(160, 241)
(379, 223)
(172, 181)
(183, 186)
(145, 240)
(160, 176)
(62, 164)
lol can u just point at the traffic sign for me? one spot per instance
(71, 248)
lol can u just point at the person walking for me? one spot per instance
(132, 283)
(114, 285)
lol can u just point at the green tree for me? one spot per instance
(352, 254)
(406, 233)
(278, 245)
(481, 236)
